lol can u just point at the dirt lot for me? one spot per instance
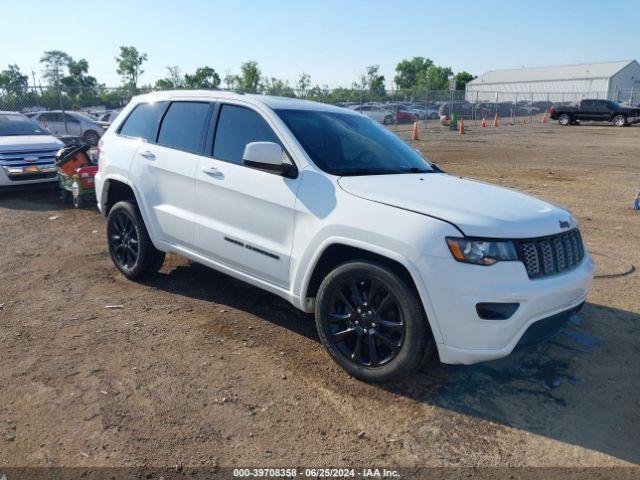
(196, 368)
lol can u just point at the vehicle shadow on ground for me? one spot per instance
(565, 389)
(36, 198)
(202, 283)
(549, 390)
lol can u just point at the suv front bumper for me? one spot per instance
(454, 289)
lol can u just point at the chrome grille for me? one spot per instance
(550, 255)
(18, 165)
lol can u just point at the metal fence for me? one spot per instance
(386, 106)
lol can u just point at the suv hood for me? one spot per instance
(478, 209)
(27, 143)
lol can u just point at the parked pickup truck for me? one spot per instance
(595, 110)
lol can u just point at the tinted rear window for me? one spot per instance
(238, 126)
(184, 126)
(143, 121)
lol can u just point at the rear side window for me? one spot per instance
(143, 121)
(51, 117)
(184, 126)
(238, 126)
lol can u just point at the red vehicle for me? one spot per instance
(404, 116)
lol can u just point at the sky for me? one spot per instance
(332, 40)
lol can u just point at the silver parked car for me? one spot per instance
(375, 112)
(76, 124)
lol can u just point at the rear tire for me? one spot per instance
(619, 121)
(564, 120)
(372, 323)
(388, 120)
(130, 247)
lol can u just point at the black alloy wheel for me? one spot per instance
(123, 240)
(370, 319)
(366, 322)
(130, 247)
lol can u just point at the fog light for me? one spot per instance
(496, 311)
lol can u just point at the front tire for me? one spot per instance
(388, 120)
(130, 247)
(564, 120)
(371, 322)
(619, 121)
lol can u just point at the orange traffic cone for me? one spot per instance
(484, 123)
(461, 126)
(495, 120)
(543, 119)
(414, 135)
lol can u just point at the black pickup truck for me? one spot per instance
(595, 110)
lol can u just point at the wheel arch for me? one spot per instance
(115, 189)
(338, 251)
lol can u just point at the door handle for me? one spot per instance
(148, 155)
(214, 172)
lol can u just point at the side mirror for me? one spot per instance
(266, 156)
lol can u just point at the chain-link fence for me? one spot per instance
(401, 106)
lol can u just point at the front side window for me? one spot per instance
(70, 118)
(238, 126)
(347, 144)
(143, 121)
(51, 117)
(184, 126)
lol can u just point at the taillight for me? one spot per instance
(552, 110)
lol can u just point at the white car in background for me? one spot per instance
(333, 212)
(27, 152)
(71, 123)
(377, 113)
(108, 117)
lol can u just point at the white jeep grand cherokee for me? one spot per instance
(331, 211)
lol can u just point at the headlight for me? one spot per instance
(481, 252)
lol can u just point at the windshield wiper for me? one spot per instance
(364, 171)
(415, 170)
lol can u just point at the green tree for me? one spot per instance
(278, 87)
(55, 62)
(462, 78)
(412, 73)
(173, 80)
(164, 84)
(204, 77)
(438, 78)
(175, 76)
(80, 87)
(13, 81)
(304, 82)
(129, 65)
(249, 78)
(230, 81)
(375, 81)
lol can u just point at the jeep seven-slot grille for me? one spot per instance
(551, 255)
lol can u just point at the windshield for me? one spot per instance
(14, 124)
(83, 117)
(348, 144)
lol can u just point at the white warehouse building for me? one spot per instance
(618, 81)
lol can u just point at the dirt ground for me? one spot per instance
(197, 369)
